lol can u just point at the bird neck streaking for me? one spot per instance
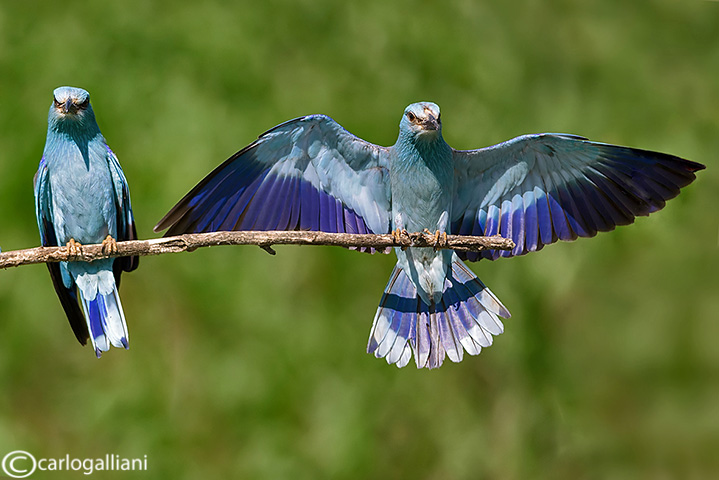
(73, 125)
(428, 146)
(68, 133)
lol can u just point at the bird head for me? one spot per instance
(71, 105)
(422, 120)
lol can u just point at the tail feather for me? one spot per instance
(94, 325)
(400, 348)
(450, 338)
(425, 339)
(389, 343)
(464, 320)
(105, 321)
(458, 324)
(113, 321)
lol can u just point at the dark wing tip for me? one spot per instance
(130, 263)
(180, 209)
(693, 166)
(165, 221)
(683, 169)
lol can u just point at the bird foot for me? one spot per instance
(109, 246)
(74, 249)
(440, 238)
(397, 235)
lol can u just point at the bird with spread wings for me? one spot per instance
(311, 174)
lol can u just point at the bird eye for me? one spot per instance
(57, 102)
(85, 103)
(411, 116)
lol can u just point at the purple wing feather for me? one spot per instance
(537, 189)
(306, 174)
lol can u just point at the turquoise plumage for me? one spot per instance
(311, 174)
(81, 196)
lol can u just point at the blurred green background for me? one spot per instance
(244, 365)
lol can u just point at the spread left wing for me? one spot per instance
(306, 174)
(537, 189)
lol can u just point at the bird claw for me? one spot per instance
(74, 249)
(397, 235)
(440, 238)
(109, 246)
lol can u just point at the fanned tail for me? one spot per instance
(466, 318)
(105, 321)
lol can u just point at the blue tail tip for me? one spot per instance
(125, 343)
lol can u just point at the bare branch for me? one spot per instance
(265, 240)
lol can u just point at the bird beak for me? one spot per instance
(67, 106)
(431, 123)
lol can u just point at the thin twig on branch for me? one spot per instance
(265, 240)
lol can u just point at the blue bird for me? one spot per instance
(311, 174)
(81, 196)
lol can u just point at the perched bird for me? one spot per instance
(311, 174)
(81, 196)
